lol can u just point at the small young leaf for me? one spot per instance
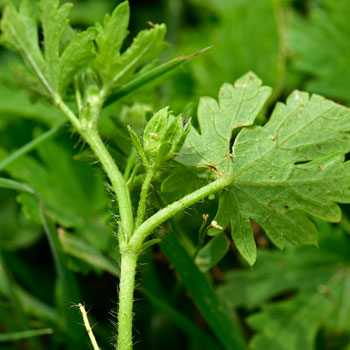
(212, 252)
(115, 68)
(19, 33)
(109, 41)
(75, 56)
(149, 243)
(138, 146)
(55, 22)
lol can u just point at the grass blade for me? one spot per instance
(203, 293)
(150, 75)
(182, 322)
(30, 146)
(14, 336)
(15, 185)
(67, 292)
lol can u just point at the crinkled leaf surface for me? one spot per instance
(49, 70)
(322, 46)
(290, 168)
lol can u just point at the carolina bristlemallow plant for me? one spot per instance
(278, 174)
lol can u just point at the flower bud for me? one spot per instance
(164, 136)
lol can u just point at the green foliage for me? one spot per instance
(316, 283)
(115, 68)
(209, 255)
(290, 167)
(322, 48)
(253, 167)
(74, 197)
(238, 106)
(50, 70)
(246, 36)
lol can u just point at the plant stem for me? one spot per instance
(162, 215)
(130, 164)
(126, 298)
(141, 210)
(91, 135)
(88, 327)
(93, 138)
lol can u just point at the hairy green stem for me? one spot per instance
(131, 241)
(126, 299)
(92, 137)
(161, 216)
(88, 130)
(141, 210)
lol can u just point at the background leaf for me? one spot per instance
(322, 48)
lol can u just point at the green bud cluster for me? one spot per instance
(163, 138)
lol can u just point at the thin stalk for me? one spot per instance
(69, 114)
(141, 210)
(162, 215)
(130, 164)
(94, 140)
(88, 327)
(78, 98)
(126, 299)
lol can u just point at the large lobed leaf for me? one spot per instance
(290, 168)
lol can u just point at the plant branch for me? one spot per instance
(69, 114)
(141, 210)
(157, 219)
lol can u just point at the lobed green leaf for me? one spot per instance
(283, 172)
(49, 70)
